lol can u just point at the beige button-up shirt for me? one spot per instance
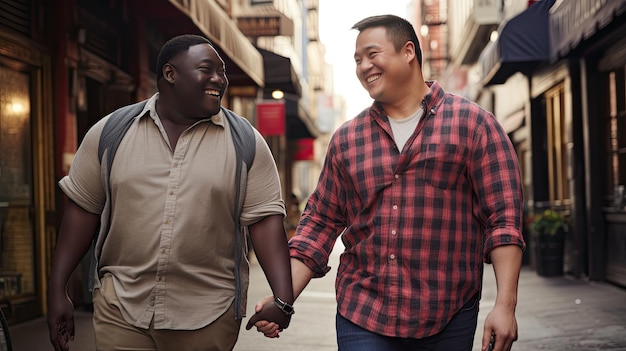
(170, 248)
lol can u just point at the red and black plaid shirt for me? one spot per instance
(416, 224)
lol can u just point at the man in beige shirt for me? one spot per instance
(171, 268)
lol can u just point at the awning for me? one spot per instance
(221, 30)
(574, 21)
(279, 74)
(303, 126)
(523, 42)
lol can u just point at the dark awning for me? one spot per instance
(279, 74)
(299, 123)
(523, 42)
(574, 21)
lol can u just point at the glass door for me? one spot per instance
(17, 246)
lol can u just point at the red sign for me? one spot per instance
(270, 118)
(305, 150)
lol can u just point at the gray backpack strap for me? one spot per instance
(115, 128)
(243, 137)
(244, 141)
(112, 134)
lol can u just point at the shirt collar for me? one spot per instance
(434, 97)
(430, 102)
(217, 119)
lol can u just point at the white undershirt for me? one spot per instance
(403, 128)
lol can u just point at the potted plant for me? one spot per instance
(548, 222)
(547, 242)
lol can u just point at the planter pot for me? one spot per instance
(548, 252)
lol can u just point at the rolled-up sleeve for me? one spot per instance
(496, 177)
(83, 184)
(323, 219)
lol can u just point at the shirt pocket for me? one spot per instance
(444, 164)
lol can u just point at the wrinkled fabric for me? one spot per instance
(416, 224)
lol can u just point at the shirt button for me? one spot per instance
(396, 176)
(392, 256)
(393, 232)
(395, 207)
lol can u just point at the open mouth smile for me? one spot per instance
(373, 78)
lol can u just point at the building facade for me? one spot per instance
(553, 74)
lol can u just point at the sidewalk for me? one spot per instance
(552, 314)
(563, 314)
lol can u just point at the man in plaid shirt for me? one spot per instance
(423, 186)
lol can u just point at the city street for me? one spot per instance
(553, 314)
(527, 96)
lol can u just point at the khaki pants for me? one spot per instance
(114, 333)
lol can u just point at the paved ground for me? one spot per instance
(553, 314)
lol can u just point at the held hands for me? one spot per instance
(60, 322)
(268, 319)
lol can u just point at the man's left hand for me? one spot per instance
(500, 323)
(268, 319)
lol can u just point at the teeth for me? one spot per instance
(213, 92)
(373, 78)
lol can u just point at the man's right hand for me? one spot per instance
(76, 233)
(60, 321)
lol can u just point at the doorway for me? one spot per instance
(18, 281)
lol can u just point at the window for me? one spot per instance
(617, 137)
(557, 145)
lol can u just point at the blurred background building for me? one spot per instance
(553, 74)
(552, 71)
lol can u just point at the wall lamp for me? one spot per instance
(278, 94)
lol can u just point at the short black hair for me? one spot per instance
(399, 31)
(175, 46)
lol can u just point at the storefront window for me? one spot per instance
(17, 264)
(617, 138)
(557, 145)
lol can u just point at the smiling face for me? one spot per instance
(198, 77)
(383, 71)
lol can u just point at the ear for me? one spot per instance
(409, 51)
(168, 73)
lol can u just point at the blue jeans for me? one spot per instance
(458, 335)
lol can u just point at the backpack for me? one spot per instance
(117, 125)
